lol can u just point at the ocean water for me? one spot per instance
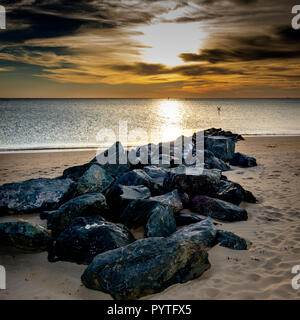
(81, 123)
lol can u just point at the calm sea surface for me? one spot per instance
(75, 123)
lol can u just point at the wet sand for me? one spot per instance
(262, 272)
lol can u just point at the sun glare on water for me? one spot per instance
(171, 113)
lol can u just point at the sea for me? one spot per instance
(54, 124)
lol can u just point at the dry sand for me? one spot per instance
(262, 272)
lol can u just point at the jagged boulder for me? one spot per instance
(203, 233)
(119, 196)
(218, 209)
(138, 212)
(114, 160)
(212, 162)
(193, 182)
(137, 177)
(242, 160)
(158, 176)
(86, 205)
(34, 195)
(25, 236)
(231, 240)
(219, 132)
(87, 237)
(233, 192)
(146, 266)
(76, 172)
(161, 223)
(95, 179)
(184, 219)
(177, 200)
(222, 147)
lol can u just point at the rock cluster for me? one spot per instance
(91, 208)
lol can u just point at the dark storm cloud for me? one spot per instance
(283, 44)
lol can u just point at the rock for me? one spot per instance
(231, 241)
(87, 237)
(219, 132)
(145, 267)
(233, 192)
(75, 173)
(218, 209)
(95, 179)
(175, 199)
(114, 160)
(158, 175)
(34, 195)
(161, 223)
(183, 219)
(242, 160)
(139, 211)
(137, 177)
(25, 236)
(212, 162)
(86, 205)
(222, 147)
(205, 182)
(119, 196)
(203, 233)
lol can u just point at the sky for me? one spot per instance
(149, 49)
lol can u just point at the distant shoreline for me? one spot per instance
(92, 148)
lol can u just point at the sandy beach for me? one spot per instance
(262, 272)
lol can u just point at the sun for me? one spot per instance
(166, 41)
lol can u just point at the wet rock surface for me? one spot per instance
(145, 267)
(161, 223)
(82, 206)
(87, 237)
(218, 209)
(25, 236)
(34, 195)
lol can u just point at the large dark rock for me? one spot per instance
(25, 236)
(203, 233)
(218, 209)
(95, 179)
(177, 200)
(158, 176)
(242, 160)
(184, 219)
(231, 240)
(139, 211)
(119, 196)
(75, 173)
(219, 132)
(87, 237)
(86, 205)
(137, 177)
(233, 192)
(212, 162)
(205, 182)
(161, 223)
(114, 160)
(146, 266)
(222, 147)
(34, 195)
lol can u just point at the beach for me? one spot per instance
(262, 272)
